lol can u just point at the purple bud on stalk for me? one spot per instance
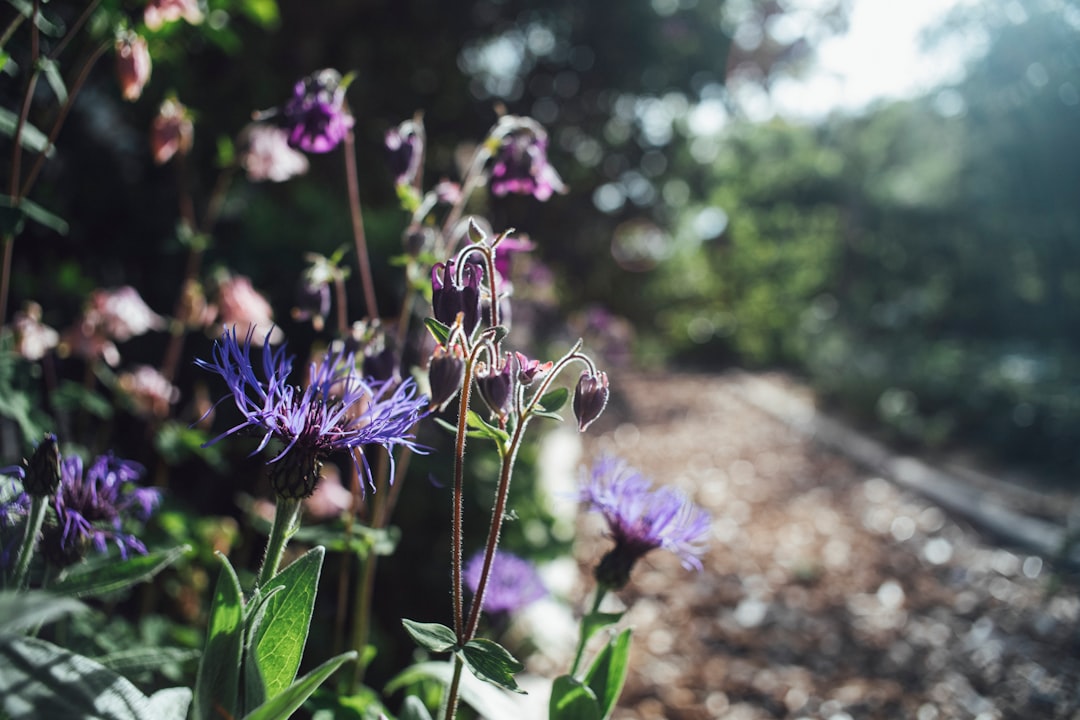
(496, 386)
(448, 298)
(590, 398)
(446, 368)
(43, 469)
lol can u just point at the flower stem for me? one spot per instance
(451, 697)
(362, 259)
(286, 514)
(601, 591)
(34, 520)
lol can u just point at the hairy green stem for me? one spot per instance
(286, 515)
(601, 591)
(450, 700)
(34, 520)
(459, 482)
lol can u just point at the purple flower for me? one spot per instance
(448, 297)
(512, 583)
(336, 411)
(642, 519)
(405, 149)
(316, 117)
(521, 167)
(92, 506)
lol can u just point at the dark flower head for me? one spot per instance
(446, 369)
(513, 583)
(496, 385)
(521, 165)
(337, 410)
(316, 117)
(641, 519)
(449, 297)
(92, 508)
(405, 148)
(590, 398)
(42, 476)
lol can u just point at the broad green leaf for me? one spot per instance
(595, 621)
(485, 429)
(217, 685)
(145, 658)
(286, 703)
(359, 540)
(493, 663)
(432, 636)
(30, 138)
(572, 700)
(414, 709)
(278, 645)
(26, 611)
(108, 575)
(607, 674)
(440, 332)
(29, 209)
(54, 78)
(553, 400)
(41, 680)
(486, 699)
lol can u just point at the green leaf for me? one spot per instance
(74, 396)
(263, 12)
(278, 645)
(360, 540)
(493, 663)
(108, 575)
(26, 611)
(595, 621)
(440, 332)
(31, 210)
(282, 706)
(414, 709)
(486, 699)
(483, 429)
(145, 658)
(51, 69)
(607, 674)
(431, 636)
(43, 23)
(41, 680)
(553, 400)
(30, 138)
(217, 685)
(572, 700)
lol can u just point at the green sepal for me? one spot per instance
(492, 663)
(435, 637)
(571, 699)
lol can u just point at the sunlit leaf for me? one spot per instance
(108, 575)
(432, 636)
(572, 700)
(217, 684)
(492, 663)
(286, 703)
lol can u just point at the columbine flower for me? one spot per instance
(33, 338)
(512, 583)
(496, 385)
(92, 507)
(161, 12)
(448, 298)
(121, 314)
(171, 132)
(316, 118)
(132, 65)
(521, 165)
(642, 519)
(405, 148)
(336, 411)
(590, 398)
(150, 393)
(266, 155)
(239, 304)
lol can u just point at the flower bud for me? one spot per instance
(497, 386)
(295, 476)
(43, 469)
(590, 398)
(132, 65)
(446, 368)
(405, 148)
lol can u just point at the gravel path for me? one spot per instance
(828, 592)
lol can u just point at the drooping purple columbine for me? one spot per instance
(590, 398)
(448, 297)
(641, 519)
(513, 582)
(316, 117)
(521, 165)
(446, 370)
(405, 149)
(92, 508)
(496, 385)
(337, 411)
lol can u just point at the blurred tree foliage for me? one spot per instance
(919, 261)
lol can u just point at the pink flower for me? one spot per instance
(32, 337)
(242, 307)
(161, 12)
(266, 155)
(150, 393)
(120, 314)
(132, 65)
(171, 132)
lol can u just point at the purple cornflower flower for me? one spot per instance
(641, 519)
(521, 166)
(316, 117)
(337, 410)
(512, 583)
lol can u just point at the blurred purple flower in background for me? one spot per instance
(512, 584)
(316, 118)
(642, 519)
(521, 166)
(265, 154)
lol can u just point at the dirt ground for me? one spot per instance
(828, 592)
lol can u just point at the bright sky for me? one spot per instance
(880, 56)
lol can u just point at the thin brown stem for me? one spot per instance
(362, 259)
(74, 30)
